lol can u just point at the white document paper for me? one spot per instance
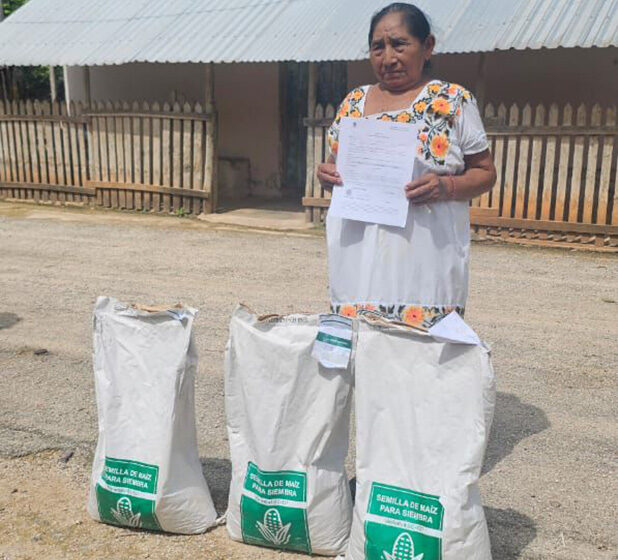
(375, 161)
(333, 343)
(454, 329)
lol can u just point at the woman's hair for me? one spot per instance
(416, 21)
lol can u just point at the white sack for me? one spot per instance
(288, 427)
(146, 471)
(423, 413)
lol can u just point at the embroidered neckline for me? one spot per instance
(418, 97)
(435, 107)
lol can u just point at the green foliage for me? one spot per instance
(34, 82)
(28, 82)
(9, 6)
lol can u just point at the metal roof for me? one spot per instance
(95, 32)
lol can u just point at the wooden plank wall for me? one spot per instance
(137, 157)
(556, 166)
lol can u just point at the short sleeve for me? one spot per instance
(333, 137)
(333, 131)
(470, 129)
(351, 106)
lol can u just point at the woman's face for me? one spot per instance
(396, 56)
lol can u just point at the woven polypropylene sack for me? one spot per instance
(288, 427)
(423, 414)
(146, 471)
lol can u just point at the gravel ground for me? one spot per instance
(549, 482)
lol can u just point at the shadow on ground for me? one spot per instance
(218, 474)
(514, 421)
(8, 320)
(510, 532)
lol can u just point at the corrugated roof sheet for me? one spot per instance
(95, 32)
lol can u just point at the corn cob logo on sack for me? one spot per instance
(273, 509)
(419, 457)
(288, 427)
(146, 471)
(273, 529)
(126, 493)
(124, 513)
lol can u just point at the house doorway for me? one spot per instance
(294, 81)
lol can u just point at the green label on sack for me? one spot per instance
(334, 340)
(126, 493)
(403, 525)
(273, 509)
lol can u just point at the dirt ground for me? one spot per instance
(549, 482)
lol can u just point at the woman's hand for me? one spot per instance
(479, 177)
(327, 175)
(428, 188)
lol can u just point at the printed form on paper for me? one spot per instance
(375, 161)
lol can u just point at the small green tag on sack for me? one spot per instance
(333, 343)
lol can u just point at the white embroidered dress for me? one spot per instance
(418, 273)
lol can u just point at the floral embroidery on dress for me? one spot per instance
(442, 105)
(414, 315)
(438, 108)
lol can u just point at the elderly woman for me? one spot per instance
(418, 273)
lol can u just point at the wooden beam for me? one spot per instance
(67, 91)
(544, 225)
(209, 87)
(312, 88)
(87, 191)
(211, 148)
(312, 202)
(5, 92)
(312, 95)
(174, 191)
(146, 115)
(309, 121)
(480, 81)
(52, 84)
(44, 118)
(477, 213)
(283, 128)
(87, 93)
(5, 95)
(550, 131)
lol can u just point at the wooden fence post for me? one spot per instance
(318, 143)
(137, 135)
(156, 168)
(186, 161)
(312, 157)
(176, 157)
(591, 167)
(166, 157)
(211, 141)
(522, 166)
(609, 163)
(535, 165)
(127, 176)
(198, 159)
